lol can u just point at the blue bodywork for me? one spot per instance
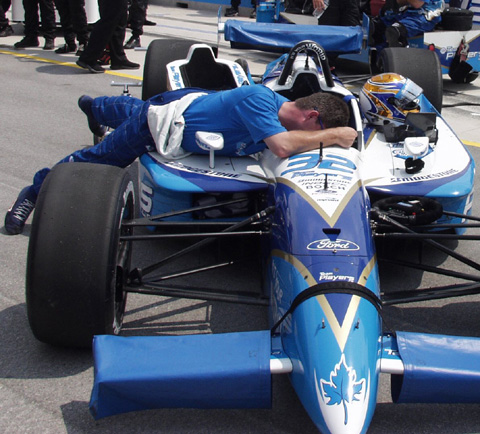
(322, 277)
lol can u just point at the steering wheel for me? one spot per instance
(408, 210)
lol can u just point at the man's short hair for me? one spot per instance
(333, 110)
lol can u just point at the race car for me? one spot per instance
(310, 220)
(456, 41)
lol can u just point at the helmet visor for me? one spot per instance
(407, 96)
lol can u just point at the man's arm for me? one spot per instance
(293, 142)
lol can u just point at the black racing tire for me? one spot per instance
(420, 65)
(160, 52)
(76, 265)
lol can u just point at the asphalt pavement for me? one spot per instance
(45, 389)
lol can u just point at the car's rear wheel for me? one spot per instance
(421, 66)
(77, 265)
(160, 52)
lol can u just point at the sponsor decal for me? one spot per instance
(344, 395)
(321, 183)
(146, 199)
(327, 180)
(175, 78)
(431, 176)
(337, 245)
(342, 387)
(198, 170)
(451, 54)
(335, 278)
(308, 162)
(398, 151)
(239, 74)
(310, 46)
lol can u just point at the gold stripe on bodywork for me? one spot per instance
(367, 270)
(340, 331)
(297, 264)
(372, 135)
(331, 220)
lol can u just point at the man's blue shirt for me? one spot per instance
(244, 116)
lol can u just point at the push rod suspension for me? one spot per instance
(432, 243)
(137, 274)
(150, 221)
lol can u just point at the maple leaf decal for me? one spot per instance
(342, 387)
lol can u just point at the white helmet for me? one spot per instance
(389, 97)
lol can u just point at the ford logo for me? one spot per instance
(339, 245)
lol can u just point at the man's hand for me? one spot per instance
(294, 142)
(345, 136)
(319, 4)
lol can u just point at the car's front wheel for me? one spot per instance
(77, 264)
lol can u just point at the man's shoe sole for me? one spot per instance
(116, 67)
(7, 31)
(23, 46)
(64, 49)
(129, 46)
(89, 67)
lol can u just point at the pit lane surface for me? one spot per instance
(44, 389)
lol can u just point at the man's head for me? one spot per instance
(329, 109)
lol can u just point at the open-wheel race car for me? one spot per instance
(456, 41)
(310, 220)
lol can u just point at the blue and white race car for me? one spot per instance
(310, 220)
(456, 42)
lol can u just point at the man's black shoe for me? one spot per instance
(6, 31)
(81, 49)
(26, 42)
(126, 64)
(132, 43)
(231, 12)
(49, 44)
(149, 23)
(85, 104)
(67, 48)
(94, 68)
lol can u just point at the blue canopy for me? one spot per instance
(282, 37)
